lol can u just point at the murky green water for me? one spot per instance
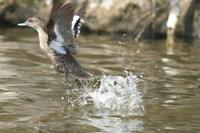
(143, 92)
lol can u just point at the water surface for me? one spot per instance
(145, 90)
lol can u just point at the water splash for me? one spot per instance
(118, 94)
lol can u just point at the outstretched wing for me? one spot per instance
(60, 35)
(78, 19)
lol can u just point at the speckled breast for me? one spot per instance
(58, 60)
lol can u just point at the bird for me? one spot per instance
(57, 38)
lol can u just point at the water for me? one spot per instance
(145, 90)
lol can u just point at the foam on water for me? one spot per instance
(118, 94)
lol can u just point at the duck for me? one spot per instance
(57, 39)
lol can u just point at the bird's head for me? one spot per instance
(32, 22)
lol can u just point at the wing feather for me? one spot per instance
(78, 19)
(59, 26)
(76, 25)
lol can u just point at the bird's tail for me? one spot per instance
(74, 68)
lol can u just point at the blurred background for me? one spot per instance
(116, 16)
(139, 84)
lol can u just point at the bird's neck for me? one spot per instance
(43, 38)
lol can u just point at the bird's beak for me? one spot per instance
(22, 24)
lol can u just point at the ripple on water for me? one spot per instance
(5, 96)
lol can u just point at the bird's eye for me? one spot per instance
(30, 20)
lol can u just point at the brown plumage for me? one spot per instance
(57, 37)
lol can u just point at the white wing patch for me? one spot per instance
(74, 21)
(57, 44)
(76, 24)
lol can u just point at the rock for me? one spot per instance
(190, 25)
(134, 16)
(14, 11)
(114, 16)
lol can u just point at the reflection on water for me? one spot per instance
(159, 92)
